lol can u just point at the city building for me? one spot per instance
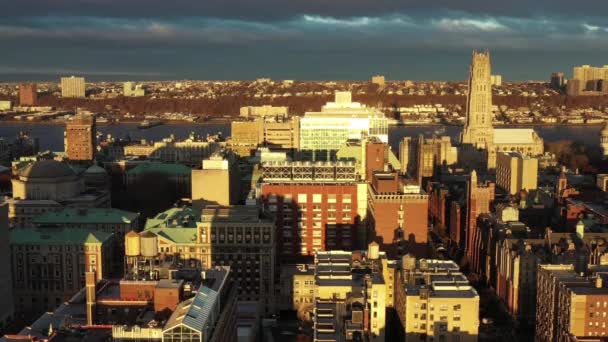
(588, 80)
(570, 305)
(602, 181)
(353, 295)
(49, 264)
(235, 236)
(421, 157)
(435, 301)
(496, 80)
(72, 87)
(479, 200)
(218, 181)
(516, 172)
(379, 80)
(480, 141)
(108, 220)
(264, 111)
(28, 94)
(604, 140)
(131, 89)
(7, 303)
(48, 185)
(297, 289)
(210, 315)
(397, 214)
(80, 137)
(317, 206)
(276, 133)
(557, 80)
(323, 133)
(189, 151)
(177, 175)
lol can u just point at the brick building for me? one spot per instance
(28, 94)
(397, 214)
(317, 206)
(80, 139)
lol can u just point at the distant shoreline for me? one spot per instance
(63, 123)
(227, 122)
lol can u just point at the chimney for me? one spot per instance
(90, 296)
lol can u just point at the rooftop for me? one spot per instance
(86, 216)
(514, 136)
(161, 168)
(46, 169)
(57, 236)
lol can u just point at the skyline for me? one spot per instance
(312, 40)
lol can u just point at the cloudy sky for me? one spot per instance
(297, 39)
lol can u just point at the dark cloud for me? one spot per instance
(273, 10)
(280, 38)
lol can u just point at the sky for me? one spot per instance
(297, 39)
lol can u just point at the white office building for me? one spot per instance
(323, 133)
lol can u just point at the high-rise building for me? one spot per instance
(480, 141)
(72, 87)
(479, 199)
(515, 172)
(557, 80)
(80, 137)
(435, 301)
(7, 304)
(323, 133)
(478, 130)
(588, 80)
(28, 94)
(318, 206)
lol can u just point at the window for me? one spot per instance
(302, 198)
(317, 198)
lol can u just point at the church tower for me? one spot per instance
(478, 130)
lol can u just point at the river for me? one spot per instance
(50, 136)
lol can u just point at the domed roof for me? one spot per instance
(46, 169)
(94, 169)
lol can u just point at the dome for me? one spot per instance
(95, 169)
(46, 169)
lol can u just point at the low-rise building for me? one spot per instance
(570, 305)
(237, 236)
(435, 301)
(49, 265)
(353, 294)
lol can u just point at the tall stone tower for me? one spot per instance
(604, 140)
(477, 137)
(478, 130)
